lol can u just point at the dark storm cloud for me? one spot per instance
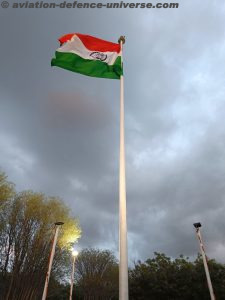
(59, 130)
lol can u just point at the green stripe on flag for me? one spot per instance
(94, 68)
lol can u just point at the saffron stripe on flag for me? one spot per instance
(92, 43)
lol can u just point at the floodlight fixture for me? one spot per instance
(59, 223)
(197, 225)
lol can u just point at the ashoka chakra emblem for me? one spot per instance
(98, 56)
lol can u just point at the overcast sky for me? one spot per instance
(59, 131)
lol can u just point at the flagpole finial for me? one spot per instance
(121, 39)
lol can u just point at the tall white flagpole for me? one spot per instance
(197, 226)
(123, 264)
(57, 225)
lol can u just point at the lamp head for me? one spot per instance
(59, 223)
(197, 225)
(75, 253)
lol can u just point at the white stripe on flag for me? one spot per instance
(76, 46)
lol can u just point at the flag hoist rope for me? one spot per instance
(123, 264)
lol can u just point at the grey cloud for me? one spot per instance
(59, 130)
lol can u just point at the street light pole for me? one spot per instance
(57, 226)
(204, 257)
(74, 255)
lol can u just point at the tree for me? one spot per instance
(26, 235)
(96, 273)
(153, 279)
(6, 197)
(163, 278)
(6, 190)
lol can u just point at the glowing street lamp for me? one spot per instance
(74, 255)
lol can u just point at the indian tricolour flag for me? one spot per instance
(89, 55)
